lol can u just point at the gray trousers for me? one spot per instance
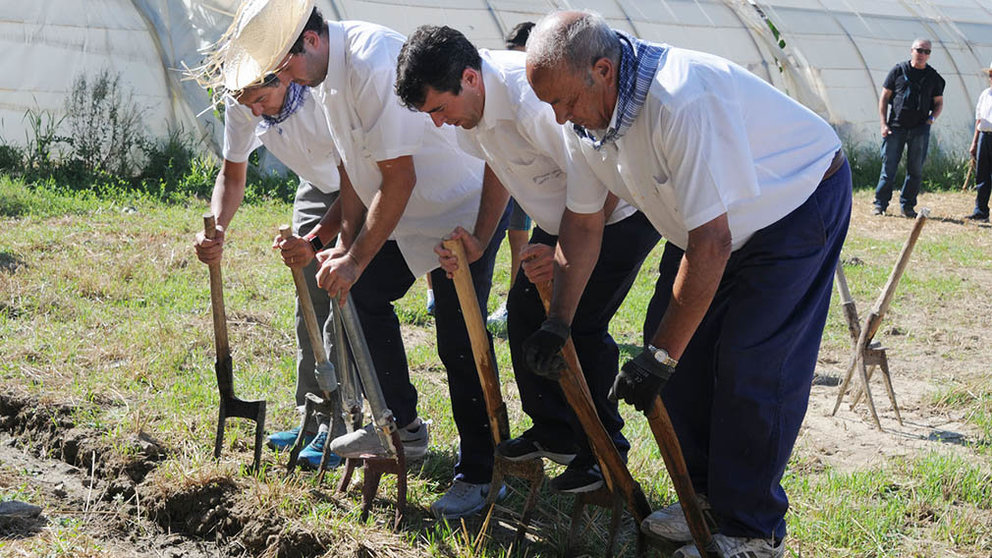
(308, 208)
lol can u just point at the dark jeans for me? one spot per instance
(386, 279)
(916, 141)
(983, 173)
(624, 247)
(740, 391)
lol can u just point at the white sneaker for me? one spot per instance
(365, 442)
(463, 499)
(737, 547)
(497, 320)
(670, 524)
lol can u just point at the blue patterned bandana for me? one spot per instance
(638, 64)
(295, 95)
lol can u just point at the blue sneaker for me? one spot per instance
(282, 441)
(311, 455)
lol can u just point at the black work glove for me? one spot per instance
(640, 381)
(542, 350)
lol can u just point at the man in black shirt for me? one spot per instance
(915, 92)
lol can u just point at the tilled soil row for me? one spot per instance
(85, 473)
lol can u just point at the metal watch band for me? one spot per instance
(662, 356)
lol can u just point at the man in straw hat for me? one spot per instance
(981, 151)
(404, 185)
(486, 94)
(754, 219)
(287, 120)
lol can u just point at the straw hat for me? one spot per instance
(258, 39)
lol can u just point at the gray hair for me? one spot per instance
(577, 39)
(921, 41)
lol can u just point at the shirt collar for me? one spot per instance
(497, 105)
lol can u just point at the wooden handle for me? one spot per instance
(847, 303)
(499, 424)
(573, 385)
(671, 453)
(306, 306)
(882, 305)
(967, 177)
(217, 294)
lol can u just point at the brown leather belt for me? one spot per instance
(835, 164)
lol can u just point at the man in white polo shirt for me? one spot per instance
(290, 124)
(404, 185)
(486, 94)
(753, 195)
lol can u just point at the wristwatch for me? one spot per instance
(315, 242)
(662, 356)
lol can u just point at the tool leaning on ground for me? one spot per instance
(230, 405)
(351, 341)
(576, 390)
(664, 435)
(873, 322)
(531, 470)
(323, 370)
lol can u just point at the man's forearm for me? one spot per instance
(229, 192)
(695, 285)
(937, 107)
(492, 204)
(386, 209)
(330, 224)
(579, 241)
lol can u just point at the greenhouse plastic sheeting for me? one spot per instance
(835, 56)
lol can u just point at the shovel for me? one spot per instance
(323, 369)
(230, 405)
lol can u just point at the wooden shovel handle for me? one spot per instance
(217, 294)
(573, 385)
(306, 306)
(498, 422)
(671, 453)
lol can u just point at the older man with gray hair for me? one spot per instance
(753, 194)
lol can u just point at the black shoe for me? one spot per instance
(578, 479)
(876, 210)
(522, 449)
(978, 218)
(909, 212)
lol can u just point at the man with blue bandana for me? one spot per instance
(290, 124)
(753, 195)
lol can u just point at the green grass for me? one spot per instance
(103, 305)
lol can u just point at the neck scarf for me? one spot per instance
(295, 95)
(638, 63)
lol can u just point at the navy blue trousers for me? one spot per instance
(624, 247)
(386, 279)
(740, 391)
(983, 174)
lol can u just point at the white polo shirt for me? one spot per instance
(369, 124)
(712, 138)
(302, 142)
(524, 145)
(983, 111)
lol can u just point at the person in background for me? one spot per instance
(981, 152)
(912, 99)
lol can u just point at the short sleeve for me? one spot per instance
(890, 80)
(239, 131)
(938, 90)
(705, 144)
(585, 193)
